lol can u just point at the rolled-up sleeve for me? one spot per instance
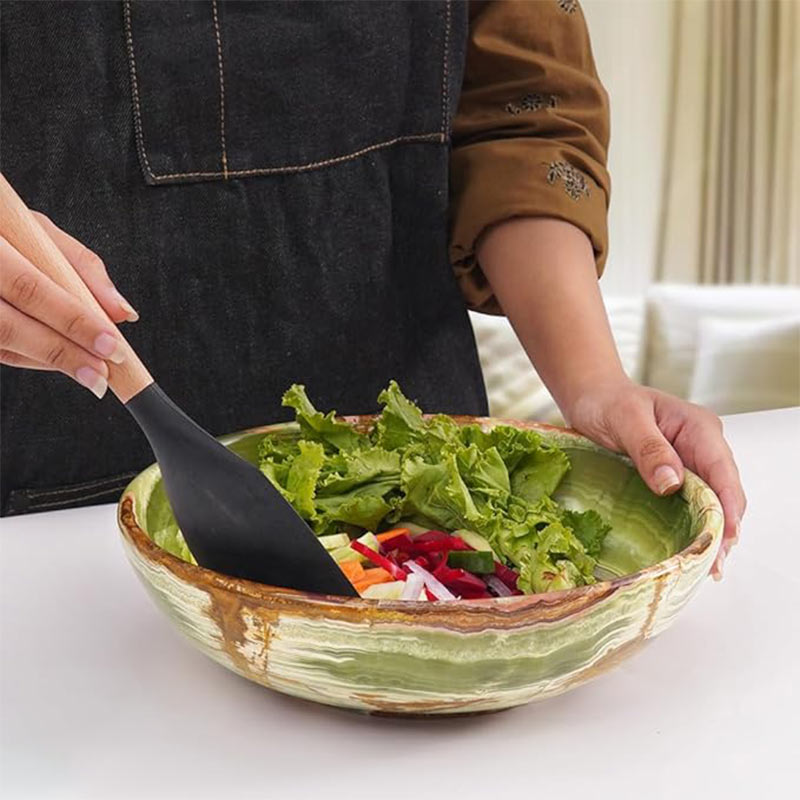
(530, 137)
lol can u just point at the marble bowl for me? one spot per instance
(455, 657)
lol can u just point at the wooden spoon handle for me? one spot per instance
(22, 230)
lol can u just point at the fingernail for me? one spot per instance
(665, 478)
(109, 347)
(130, 312)
(92, 380)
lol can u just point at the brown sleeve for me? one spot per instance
(530, 137)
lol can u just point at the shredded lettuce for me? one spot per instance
(434, 472)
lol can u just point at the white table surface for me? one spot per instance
(100, 698)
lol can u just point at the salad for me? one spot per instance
(424, 508)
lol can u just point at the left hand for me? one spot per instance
(662, 433)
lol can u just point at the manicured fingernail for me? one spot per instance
(109, 347)
(92, 380)
(736, 532)
(665, 478)
(130, 312)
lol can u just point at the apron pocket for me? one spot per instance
(241, 89)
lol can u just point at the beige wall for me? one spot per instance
(631, 40)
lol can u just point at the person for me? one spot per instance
(311, 193)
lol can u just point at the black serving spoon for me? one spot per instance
(232, 517)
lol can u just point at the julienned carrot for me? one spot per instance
(386, 535)
(376, 574)
(353, 570)
(371, 577)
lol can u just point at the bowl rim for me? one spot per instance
(710, 532)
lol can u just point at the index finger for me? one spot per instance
(92, 269)
(39, 297)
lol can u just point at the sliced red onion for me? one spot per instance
(413, 587)
(499, 588)
(436, 587)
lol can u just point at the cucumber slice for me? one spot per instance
(413, 528)
(384, 591)
(479, 562)
(347, 553)
(369, 540)
(341, 554)
(475, 540)
(334, 541)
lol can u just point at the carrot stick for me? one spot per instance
(386, 535)
(377, 573)
(371, 577)
(353, 570)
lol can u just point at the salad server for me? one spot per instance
(232, 518)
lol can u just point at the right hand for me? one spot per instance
(42, 326)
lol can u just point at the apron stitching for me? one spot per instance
(79, 487)
(236, 173)
(137, 112)
(445, 75)
(221, 91)
(241, 173)
(77, 499)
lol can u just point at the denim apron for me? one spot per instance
(267, 184)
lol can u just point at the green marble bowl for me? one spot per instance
(454, 657)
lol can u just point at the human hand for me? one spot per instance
(542, 271)
(661, 434)
(42, 326)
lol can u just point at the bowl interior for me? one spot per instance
(646, 528)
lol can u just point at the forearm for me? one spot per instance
(543, 274)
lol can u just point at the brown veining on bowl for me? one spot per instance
(458, 657)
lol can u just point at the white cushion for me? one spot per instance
(747, 365)
(674, 315)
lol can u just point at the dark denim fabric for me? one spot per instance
(303, 239)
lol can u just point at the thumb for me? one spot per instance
(658, 464)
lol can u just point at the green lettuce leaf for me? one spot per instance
(590, 528)
(541, 574)
(295, 474)
(400, 423)
(516, 529)
(556, 561)
(171, 539)
(277, 447)
(320, 427)
(364, 507)
(483, 471)
(275, 454)
(513, 444)
(538, 472)
(432, 471)
(350, 470)
(436, 494)
(401, 426)
(301, 479)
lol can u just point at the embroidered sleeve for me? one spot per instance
(531, 134)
